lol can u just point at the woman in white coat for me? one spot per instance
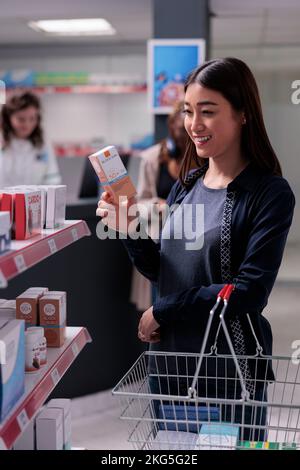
(25, 159)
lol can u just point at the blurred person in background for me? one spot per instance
(160, 164)
(25, 159)
(160, 167)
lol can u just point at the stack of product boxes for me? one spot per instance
(44, 313)
(35, 320)
(31, 209)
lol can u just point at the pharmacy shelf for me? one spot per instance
(39, 385)
(106, 89)
(25, 254)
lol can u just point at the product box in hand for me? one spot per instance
(5, 225)
(12, 364)
(217, 436)
(25, 209)
(27, 307)
(49, 429)
(112, 173)
(53, 315)
(64, 404)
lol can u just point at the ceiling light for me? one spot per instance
(75, 27)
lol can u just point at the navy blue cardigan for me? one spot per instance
(257, 217)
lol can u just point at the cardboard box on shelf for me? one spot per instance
(27, 308)
(12, 364)
(56, 205)
(49, 429)
(43, 192)
(53, 314)
(64, 404)
(24, 206)
(36, 290)
(112, 173)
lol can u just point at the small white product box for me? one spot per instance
(5, 225)
(7, 309)
(56, 205)
(217, 436)
(64, 404)
(49, 429)
(26, 440)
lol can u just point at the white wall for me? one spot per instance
(117, 118)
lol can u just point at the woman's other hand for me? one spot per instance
(148, 326)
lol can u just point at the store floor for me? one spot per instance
(96, 423)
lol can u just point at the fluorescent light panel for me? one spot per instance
(74, 27)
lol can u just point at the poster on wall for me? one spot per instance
(169, 63)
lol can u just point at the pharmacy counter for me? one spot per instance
(97, 277)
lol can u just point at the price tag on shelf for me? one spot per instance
(52, 246)
(74, 234)
(22, 419)
(55, 376)
(20, 263)
(75, 349)
(3, 281)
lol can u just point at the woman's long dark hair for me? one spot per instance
(19, 103)
(234, 80)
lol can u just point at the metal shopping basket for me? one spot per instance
(183, 401)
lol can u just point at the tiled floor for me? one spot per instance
(95, 418)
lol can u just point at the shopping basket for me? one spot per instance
(210, 400)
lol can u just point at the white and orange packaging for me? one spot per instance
(53, 316)
(112, 173)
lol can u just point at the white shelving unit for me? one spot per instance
(38, 386)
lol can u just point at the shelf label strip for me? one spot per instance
(55, 376)
(20, 263)
(22, 419)
(52, 246)
(74, 234)
(3, 281)
(75, 349)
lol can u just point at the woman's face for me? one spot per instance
(211, 122)
(24, 122)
